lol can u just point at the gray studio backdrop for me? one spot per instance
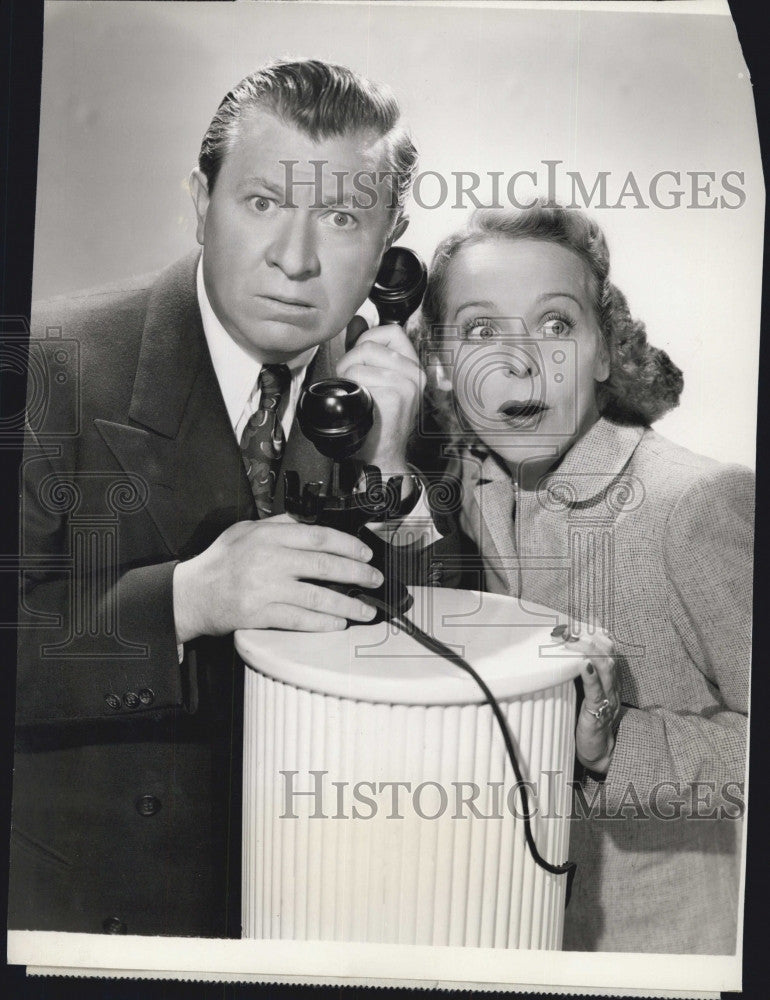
(128, 89)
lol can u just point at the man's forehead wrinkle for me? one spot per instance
(260, 180)
(335, 169)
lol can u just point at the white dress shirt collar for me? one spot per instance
(236, 370)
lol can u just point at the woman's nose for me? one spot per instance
(293, 248)
(522, 363)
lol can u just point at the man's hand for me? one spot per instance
(255, 576)
(385, 362)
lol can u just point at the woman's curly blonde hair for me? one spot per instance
(643, 383)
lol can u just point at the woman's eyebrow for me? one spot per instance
(558, 295)
(476, 303)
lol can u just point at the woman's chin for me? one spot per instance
(533, 449)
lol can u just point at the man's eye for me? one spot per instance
(261, 204)
(340, 220)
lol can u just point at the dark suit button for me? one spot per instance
(112, 701)
(147, 696)
(131, 699)
(114, 925)
(147, 805)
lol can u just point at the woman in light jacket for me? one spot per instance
(546, 388)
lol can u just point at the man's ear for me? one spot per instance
(398, 231)
(199, 190)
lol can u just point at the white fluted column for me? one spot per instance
(386, 821)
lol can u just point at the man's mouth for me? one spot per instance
(283, 300)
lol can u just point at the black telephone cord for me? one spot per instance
(440, 649)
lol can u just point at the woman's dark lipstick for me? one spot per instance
(524, 408)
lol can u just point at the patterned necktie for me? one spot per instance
(263, 440)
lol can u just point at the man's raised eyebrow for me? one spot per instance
(263, 182)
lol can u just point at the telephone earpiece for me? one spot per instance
(399, 286)
(337, 414)
(397, 290)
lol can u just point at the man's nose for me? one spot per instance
(293, 248)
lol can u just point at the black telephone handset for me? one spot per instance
(399, 286)
(336, 415)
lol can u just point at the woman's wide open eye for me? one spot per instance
(479, 328)
(556, 325)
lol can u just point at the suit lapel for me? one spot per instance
(180, 439)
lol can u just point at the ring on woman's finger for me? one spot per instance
(563, 632)
(602, 711)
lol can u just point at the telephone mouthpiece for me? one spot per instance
(336, 415)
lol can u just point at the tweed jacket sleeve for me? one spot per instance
(707, 555)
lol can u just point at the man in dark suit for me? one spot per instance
(145, 544)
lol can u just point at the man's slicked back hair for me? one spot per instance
(323, 101)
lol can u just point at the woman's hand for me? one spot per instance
(598, 716)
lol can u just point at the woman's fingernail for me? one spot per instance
(563, 632)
